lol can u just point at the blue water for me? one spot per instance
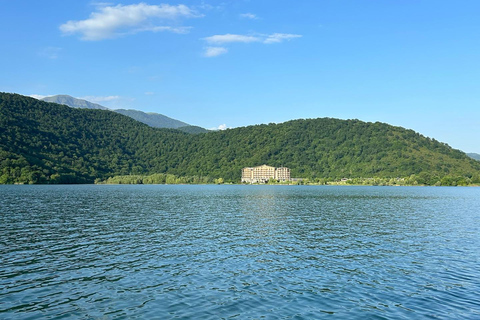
(239, 252)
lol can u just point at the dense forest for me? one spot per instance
(44, 142)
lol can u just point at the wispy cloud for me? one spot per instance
(280, 37)
(231, 38)
(224, 39)
(111, 21)
(214, 51)
(181, 30)
(250, 16)
(50, 52)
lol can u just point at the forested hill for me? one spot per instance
(331, 148)
(44, 142)
(49, 143)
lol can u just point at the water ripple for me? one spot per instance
(239, 252)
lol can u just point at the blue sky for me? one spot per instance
(410, 63)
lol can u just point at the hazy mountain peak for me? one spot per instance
(73, 102)
(475, 156)
(152, 119)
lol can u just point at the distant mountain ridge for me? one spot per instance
(475, 156)
(152, 119)
(155, 120)
(73, 102)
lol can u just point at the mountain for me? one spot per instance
(475, 156)
(44, 142)
(73, 102)
(152, 119)
(155, 120)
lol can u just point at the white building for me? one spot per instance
(263, 173)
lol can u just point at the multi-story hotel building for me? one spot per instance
(263, 173)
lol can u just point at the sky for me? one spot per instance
(232, 63)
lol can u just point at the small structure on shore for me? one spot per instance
(263, 173)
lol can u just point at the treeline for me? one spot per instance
(159, 178)
(44, 142)
(413, 180)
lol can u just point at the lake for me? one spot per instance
(239, 252)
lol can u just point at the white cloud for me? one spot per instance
(37, 96)
(280, 37)
(98, 99)
(180, 30)
(220, 127)
(248, 16)
(149, 93)
(231, 38)
(214, 51)
(112, 21)
(223, 39)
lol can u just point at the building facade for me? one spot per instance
(263, 173)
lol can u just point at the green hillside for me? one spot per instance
(193, 129)
(328, 148)
(50, 143)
